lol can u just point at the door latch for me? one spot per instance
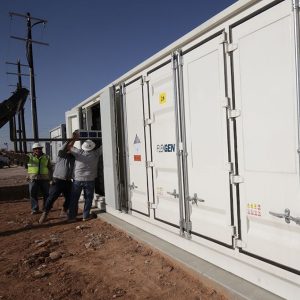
(195, 199)
(174, 194)
(233, 113)
(287, 216)
(132, 186)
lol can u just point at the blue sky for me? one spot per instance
(92, 42)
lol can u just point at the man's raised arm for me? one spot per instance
(75, 138)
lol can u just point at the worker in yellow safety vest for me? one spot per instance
(39, 175)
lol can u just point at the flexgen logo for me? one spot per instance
(165, 148)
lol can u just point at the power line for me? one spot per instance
(29, 54)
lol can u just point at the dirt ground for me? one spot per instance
(82, 260)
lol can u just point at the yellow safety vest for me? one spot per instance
(38, 165)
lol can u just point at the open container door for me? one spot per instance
(121, 166)
(264, 78)
(208, 140)
(136, 147)
(73, 122)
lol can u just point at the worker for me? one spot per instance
(85, 172)
(61, 182)
(39, 170)
(39, 175)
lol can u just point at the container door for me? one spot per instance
(165, 178)
(264, 76)
(121, 151)
(207, 140)
(74, 124)
(136, 148)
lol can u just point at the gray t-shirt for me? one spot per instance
(64, 164)
(86, 164)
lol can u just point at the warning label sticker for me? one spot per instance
(254, 209)
(162, 98)
(137, 149)
(136, 140)
(137, 157)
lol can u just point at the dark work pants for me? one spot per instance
(88, 188)
(34, 187)
(59, 186)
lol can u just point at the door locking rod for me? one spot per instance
(286, 216)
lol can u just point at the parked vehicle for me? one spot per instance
(4, 161)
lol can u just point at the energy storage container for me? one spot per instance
(202, 143)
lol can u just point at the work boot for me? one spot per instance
(91, 216)
(43, 217)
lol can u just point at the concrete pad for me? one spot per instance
(232, 286)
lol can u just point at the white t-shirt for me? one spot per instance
(86, 164)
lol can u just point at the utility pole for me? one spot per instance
(32, 80)
(29, 55)
(21, 115)
(12, 128)
(21, 128)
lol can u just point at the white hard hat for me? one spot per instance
(88, 145)
(36, 145)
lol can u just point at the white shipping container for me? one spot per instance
(203, 148)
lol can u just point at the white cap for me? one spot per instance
(37, 145)
(88, 145)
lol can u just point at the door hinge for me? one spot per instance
(149, 164)
(179, 151)
(124, 90)
(231, 47)
(233, 233)
(180, 59)
(174, 61)
(230, 167)
(223, 38)
(233, 113)
(148, 122)
(153, 205)
(180, 146)
(226, 102)
(296, 4)
(236, 179)
(146, 78)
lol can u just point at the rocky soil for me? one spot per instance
(83, 260)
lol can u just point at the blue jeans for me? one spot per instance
(59, 186)
(88, 188)
(34, 187)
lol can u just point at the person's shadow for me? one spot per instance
(37, 226)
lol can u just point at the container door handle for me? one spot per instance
(195, 199)
(174, 194)
(132, 186)
(287, 216)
